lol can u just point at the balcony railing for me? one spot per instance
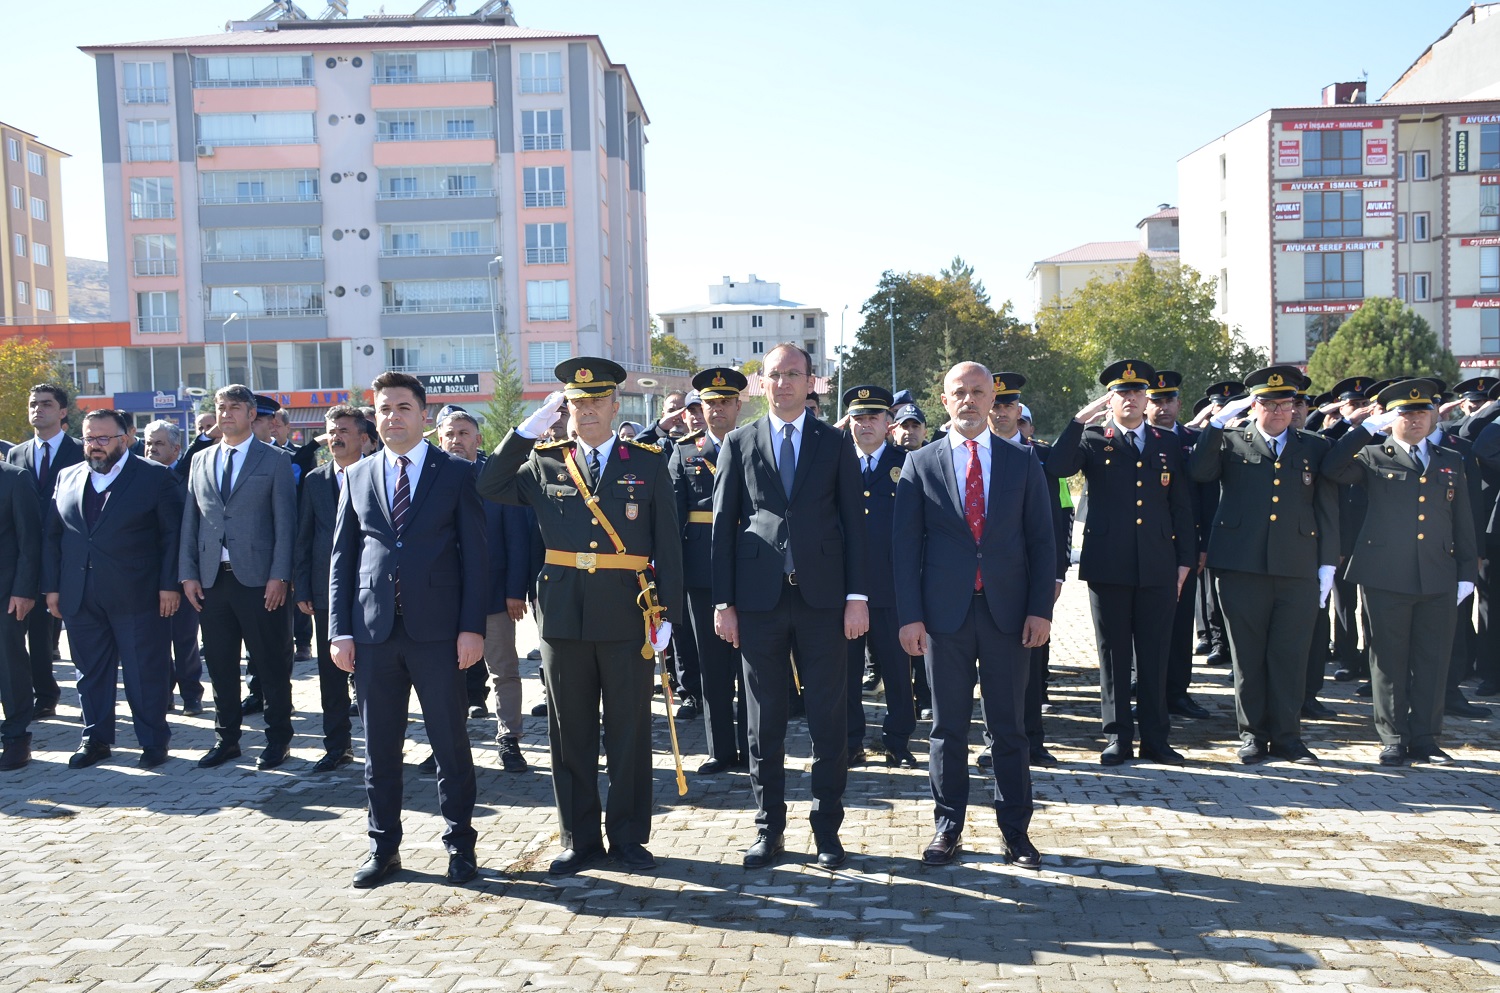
(213, 84)
(269, 313)
(546, 256)
(449, 77)
(657, 370)
(556, 312)
(158, 325)
(432, 194)
(153, 211)
(258, 140)
(260, 256)
(148, 153)
(541, 84)
(541, 142)
(263, 198)
(145, 94)
(547, 198)
(156, 267)
(436, 307)
(445, 250)
(485, 135)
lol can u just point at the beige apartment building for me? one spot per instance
(1059, 276)
(33, 267)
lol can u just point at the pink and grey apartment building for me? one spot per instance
(300, 204)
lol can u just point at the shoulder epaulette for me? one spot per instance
(691, 436)
(539, 446)
(642, 444)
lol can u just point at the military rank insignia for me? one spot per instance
(1307, 479)
(895, 474)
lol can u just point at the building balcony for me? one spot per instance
(541, 84)
(271, 314)
(263, 198)
(153, 211)
(397, 79)
(148, 153)
(476, 135)
(145, 94)
(395, 253)
(223, 84)
(158, 325)
(155, 267)
(260, 256)
(437, 307)
(431, 194)
(546, 198)
(541, 142)
(546, 256)
(255, 142)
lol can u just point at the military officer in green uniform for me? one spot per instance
(1415, 559)
(609, 523)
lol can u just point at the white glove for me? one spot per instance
(663, 636)
(540, 422)
(1465, 590)
(1377, 423)
(1230, 411)
(1325, 584)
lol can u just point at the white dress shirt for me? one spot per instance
(778, 429)
(49, 447)
(1280, 447)
(867, 463)
(102, 480)
(241, 450)
(417, 455)
(959, 450)
(584, 451)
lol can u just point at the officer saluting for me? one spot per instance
(1414, 560)
(609, 522)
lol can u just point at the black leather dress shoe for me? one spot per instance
(1202, 647)
(376, 870)
(273, 756)
(1430, 754)
(429, 764)
(766, 850)
(1023, 853)
(88, 754)
(1459, 707)
(1294, 752)
(539, 710)
(218, 755)
(1184, 706)
(985, 759)
(1487, 687)
(689, 710)
(857, 756)
(333, 760)
(43, 711)
(943, 848)
(192, 709)
(900, 757)
(573, 860)
(1042, 757)
(1364, 690)
(1115, 753)
(1162, 755)
(1317, 710)
(831, 854)
(1216, 658)
(1252, 752)
(1343, 674)
(252, 705)
(714, 766)
(151, 758)
(16, 754)
(462, 867)
(634, 858)
(1393, 755)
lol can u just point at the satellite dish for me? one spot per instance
(197, 392)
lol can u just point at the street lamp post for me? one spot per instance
(249, 358)
(840, 407)
(224, 342)
(893, 344)
(495, 306)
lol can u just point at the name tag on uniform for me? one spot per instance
(1307, 479)
(632, 511)
(1166, 479)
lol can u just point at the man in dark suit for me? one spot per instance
(1415, 558)
(317, 512)
(406, 595)
(164, 447)
(790, 575)
(1273, 549)
(973, 532)
(44, 455)
(1139, 547)
(110, 572)
(869, 410)
(239, 524)
(608, 516)
(1353, 660)
(693, 468)
(21, 576)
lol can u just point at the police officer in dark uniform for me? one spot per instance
(1163, 403)
(1353, 660)
(1415, 559)
(608, 519)
(1139, 545)
(869, 409)
(1212, 641)
(692, 466)
(1272, 550)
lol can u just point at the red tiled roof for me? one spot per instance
(1106, 251)
(1161, 215)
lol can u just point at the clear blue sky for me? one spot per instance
(819, 143)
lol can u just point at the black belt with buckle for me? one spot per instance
(225, 567)
(790, 577)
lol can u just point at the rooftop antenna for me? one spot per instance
(280, 10)
(337, 9)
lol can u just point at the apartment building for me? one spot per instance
(1059, 276)
(302, 203)
(744, 318)
(33, 266)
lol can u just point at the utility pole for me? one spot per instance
(893, 343)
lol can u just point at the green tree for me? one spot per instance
(506, 407)
(1382, 339)
(1162, 315)
(668, 351)
(23, 364)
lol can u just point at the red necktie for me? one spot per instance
(974, 501)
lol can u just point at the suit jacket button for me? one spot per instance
(1273, 517)
(979, 555)
(1421, 536)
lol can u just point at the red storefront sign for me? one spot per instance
(1289, 211)
(1488, 241)
(1377, 151)
(1289, 153)
(1346, 125)
(1322, 307)
(1321, 185)
(1477, 303)
(1333, 246)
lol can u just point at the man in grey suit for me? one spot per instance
(20, 574)
(235, 562)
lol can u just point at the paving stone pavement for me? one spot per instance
(1343, 877)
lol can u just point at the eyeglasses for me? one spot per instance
(1277, 406)
(790, 376)
(102, 439)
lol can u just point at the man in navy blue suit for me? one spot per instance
(406, 609)
(973, 533)
(110, 571)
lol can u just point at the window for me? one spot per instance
(263, 244)
(1489, 146)
(454, 66)
(434, 125)
(543, 187)
(43, 298)
(1400, 167)
(541, 130)
(718, 348)
(157, 312)
(1333, 276)
(13, 149)
(1489, 270)
(20, 243)
(39, 208)
(434, 296)
(23, 291)
(543, 356)
(1333, 215)
(262, 128)
(1489, 208)
(546, 244)
(36, 164)
(757, 321)
(166, 368)
(1489, 332)
(151, 199)
(1333, 153)
(810, 346)
(1420, 165)
(145, 82)
(546, 299)
(1223, 290)
(757, 348)
(809, 322)
(260, 186)
(451, 238)
(148, 141)
(1400, 227)
(252, 70)
(1401, 286)
(541, 72)
(272, 300)
(41, 254)
(264, 361)
(1420, 221)
(155, 254)
(1421, 286)
(417, 182)
(17, 197)
(1321, 327)
(717, 323)
(319, 365)
(1223, 232)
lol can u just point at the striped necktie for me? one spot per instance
(400, 504)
